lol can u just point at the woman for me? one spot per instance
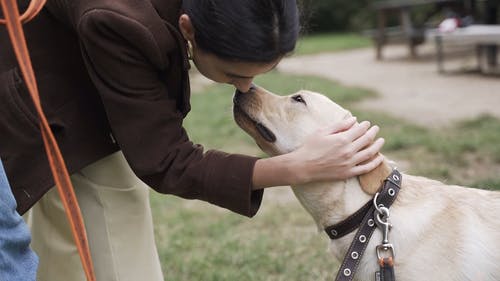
(113, 78)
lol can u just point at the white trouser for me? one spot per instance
(115, 207)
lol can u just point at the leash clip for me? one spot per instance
(382, 219)
(388, 248)
(385, 226)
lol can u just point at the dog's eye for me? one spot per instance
(298, 98)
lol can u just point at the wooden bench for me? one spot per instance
(408, 31)
(396, 35)
(485, 38)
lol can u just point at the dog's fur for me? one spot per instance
(440, 232)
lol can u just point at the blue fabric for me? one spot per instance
(17, 261)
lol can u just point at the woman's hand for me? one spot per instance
(344, 150)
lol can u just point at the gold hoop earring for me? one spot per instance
(190, 50)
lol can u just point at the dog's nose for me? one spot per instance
(238, 92)
(239, 95)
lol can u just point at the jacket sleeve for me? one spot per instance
(126, 63)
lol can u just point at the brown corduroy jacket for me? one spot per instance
(112, 75)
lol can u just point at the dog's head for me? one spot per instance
(281, 124)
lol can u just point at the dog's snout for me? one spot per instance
(237, 93)
(239, 96)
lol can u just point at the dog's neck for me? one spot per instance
(329, 203)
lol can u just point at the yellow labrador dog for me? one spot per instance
(440, 232)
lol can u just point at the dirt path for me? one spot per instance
(413, 90)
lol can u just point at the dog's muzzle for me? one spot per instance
(241, 103)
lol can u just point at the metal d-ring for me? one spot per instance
(381, 209)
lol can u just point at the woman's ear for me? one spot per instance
(186, 27)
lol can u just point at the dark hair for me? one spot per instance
(246, 30)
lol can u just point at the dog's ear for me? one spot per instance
(371, 181)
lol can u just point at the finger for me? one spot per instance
(367, 167)
(340, 126)
(356, 131)
(366, 139)
(364, 162)
(368, 153)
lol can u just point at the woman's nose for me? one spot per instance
(244, 85)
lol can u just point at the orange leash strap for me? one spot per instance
(33, 9)
(14, 21)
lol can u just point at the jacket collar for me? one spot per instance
(169, 10)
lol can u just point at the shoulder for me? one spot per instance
(127, 23)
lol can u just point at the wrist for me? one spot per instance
(294, 169)
(277, 171)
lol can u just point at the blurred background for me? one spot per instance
(425, 71)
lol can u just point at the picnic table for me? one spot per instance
(481, 36)
(408, 32)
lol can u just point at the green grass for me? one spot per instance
(329, 42)
(467, 153)
(203, 243)
(197, 241)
